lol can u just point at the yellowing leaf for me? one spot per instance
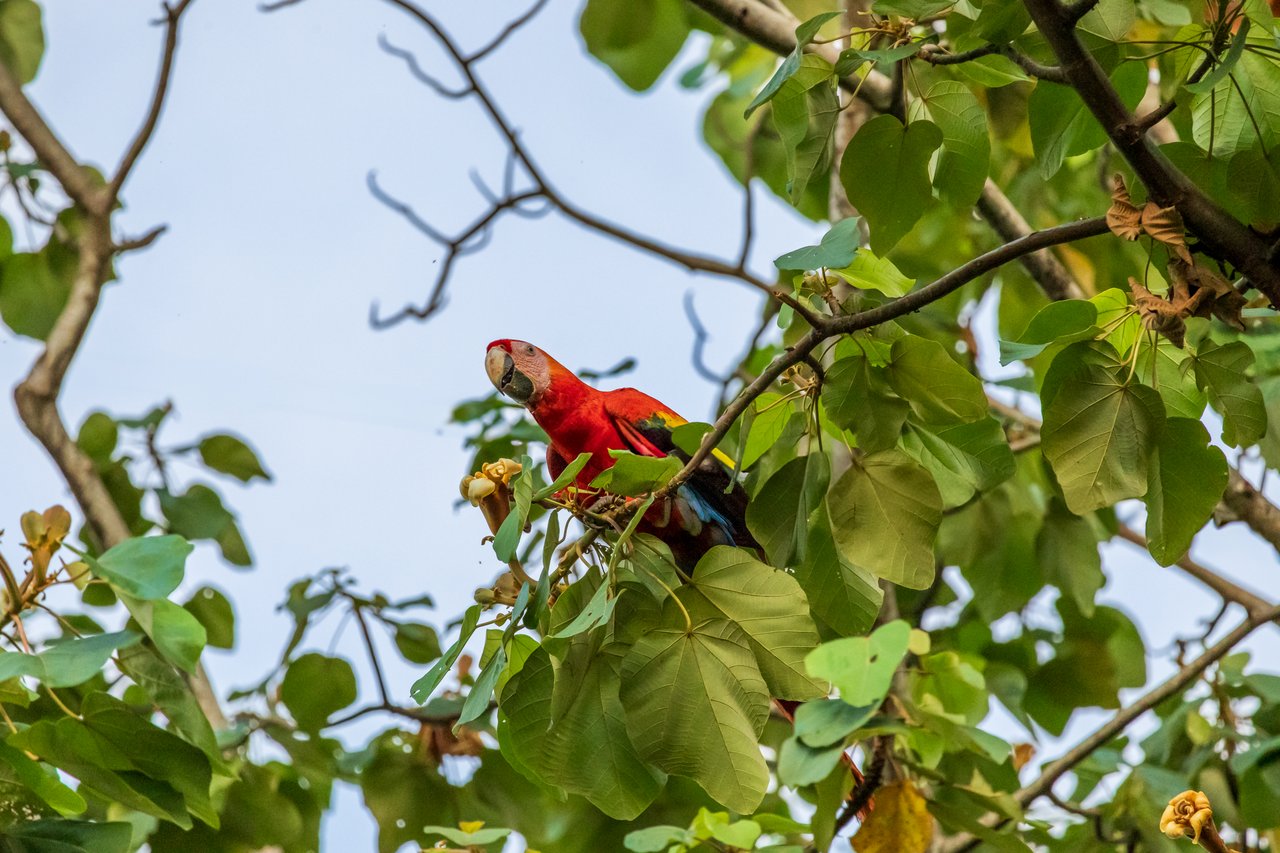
(900, 822)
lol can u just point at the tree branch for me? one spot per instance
(776, 30)
(36, 396)
(828, 327)
(173, 17)
(1056, 769)
(1222, 235)
(1247, 504)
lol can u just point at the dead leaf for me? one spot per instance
(901, 822)
(1123, 217)
(1164, 315)
(1164, 224)
(1222, 301)
(1022, 753)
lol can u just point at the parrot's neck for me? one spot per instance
(564, 396)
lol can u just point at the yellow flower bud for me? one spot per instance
(480, 488)
(1188, 812)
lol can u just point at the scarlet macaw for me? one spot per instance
(708, 509)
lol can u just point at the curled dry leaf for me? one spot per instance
(1022, 753)
(439, 740)
(901, 822)
(1222, 301)
(1166, 315)
(1165, 225)
(1123, 217)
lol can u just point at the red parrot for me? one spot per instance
(708, 509)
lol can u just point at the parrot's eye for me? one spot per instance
(528, 348)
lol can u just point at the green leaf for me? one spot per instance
(230, 455)
(34, 286)
(637, 40)
(177, 634)
(587, 750)
(938, 388)
(480, 837)
(1001, 23)
(567, 476)
(477, 703)
(656, 839)
(778, 514)
(418, 643)
(1097, 657)
(123, 757)
(862, 668)
(46, 785)
(1222, 371)
(829, 721)
(1067, 549)
(171, 693)
(67, 663)
(596, 611)
(696, 705)
(844, 596)
(771, 415)
(21, 38)
(1225, 64)
(634, 475)
(851, 59)
(1173, 378)
(885, 512)
(1062, 323)
(963, 458)
(1098, 435)
(1061, 125)
(805, 33)
(1186, 480)
(954, 684)
(966, 148)
(804, 112)
(200, 514)
(1110, 19)
(70, 836)
(867, 272)
(98, 436)
(885, 173)
(147, 567)
(914, 9)
(800, 764)
(856, 396)
(213, 611)
(424, 686)
(837, 249)
(769, 607)
(315, 686)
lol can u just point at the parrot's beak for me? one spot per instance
(502, 372)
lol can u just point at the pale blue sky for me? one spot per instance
(250, 314)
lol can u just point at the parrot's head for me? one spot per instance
(519, 369)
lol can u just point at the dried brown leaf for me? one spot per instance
(1123, 217)
(1222, 300)
(901, 822)
(1164, 224)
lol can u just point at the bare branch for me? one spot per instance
(507, 31)
(416, 70)
(172, 19)
(699, 341)
(1006, 221)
